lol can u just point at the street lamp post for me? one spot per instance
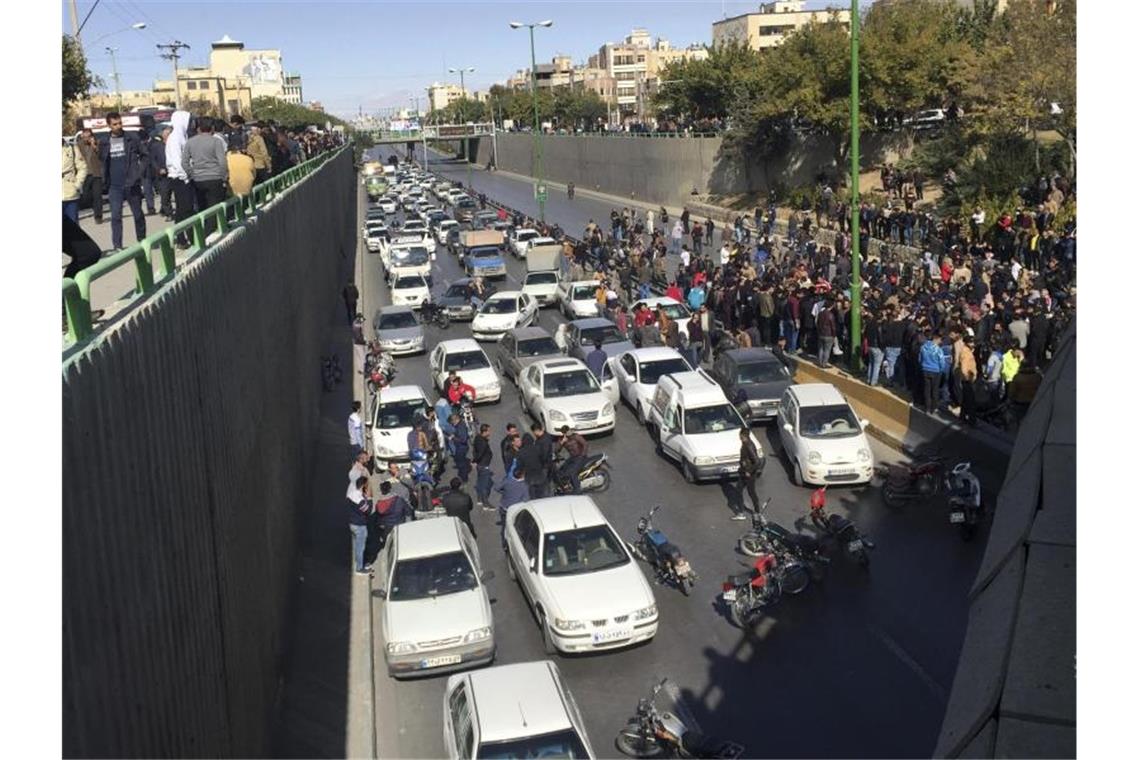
(856, 268)
(540, 188)
(115, 76)
(463, 96)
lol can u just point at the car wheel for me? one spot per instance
(797, 474)
(688, 472)
(640, 413)
(547, 639)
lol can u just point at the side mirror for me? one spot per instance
(864, 423)
(486, 576)
(382, 593)
(788, 427)
(533, 565)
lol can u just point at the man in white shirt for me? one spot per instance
(685, 256)
(359, 470)
(356, 426)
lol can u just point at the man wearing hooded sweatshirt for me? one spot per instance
(204, 159)
(175, 173)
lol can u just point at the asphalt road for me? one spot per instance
(859, 665)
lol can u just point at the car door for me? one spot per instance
(459, 728)
(530, 386)
(525, 552)
(671, 434)
(436, 363)
(608, 382)
(626, 372)
(785, 424)
(530, 309)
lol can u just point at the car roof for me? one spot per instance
(561, 364)
(746, 355)
(592, 322)
(572, 283)
(460, 344)
(521, 230)
(817, 394)
(654, 354)
(425, 538)
(393, 309)
(401, 393)
(697, 387)
(409, 276)
(523, 333)
(566, 512)
(505, 294)
(658, 301)
(515, 701)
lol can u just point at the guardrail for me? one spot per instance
(603, 133)
(225, 216)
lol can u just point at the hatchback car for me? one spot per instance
(394, 411)
(521, 347)
(755, 375)
(410, 289)
(822, 437)
(436, 614)
(503, 311)
(575, 573)
(522, 710)
(578, 299)
(398, 331)
(467, 360)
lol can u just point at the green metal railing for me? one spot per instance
(225, 216)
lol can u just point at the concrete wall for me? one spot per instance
(666, 170)
(189, 435)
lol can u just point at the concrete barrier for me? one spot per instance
(189, 434)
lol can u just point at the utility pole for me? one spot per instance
(115, 76)
(74, 20)
(856, 268)
(540, 187)
(173, 55)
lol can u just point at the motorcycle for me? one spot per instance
(770, 577)
(379, 370)
(652, 732)
(910, 482)
(434, 314)
(426, 498)
(805, 554)
(855, 544)
(669, 564)
(965, 499)
(594, 475)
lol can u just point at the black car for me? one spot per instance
(753, 376)
(456, 300)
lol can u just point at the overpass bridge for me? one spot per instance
(431, 132)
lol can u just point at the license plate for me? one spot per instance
(854, 546)
(435, 662)
(730, 595)
(601, 637)
(957, 517)
(730, 468)
(842, 470)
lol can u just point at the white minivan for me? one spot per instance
(823, 438)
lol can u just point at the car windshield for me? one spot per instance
(565, 743)
(429, 577)
(399, 414)
(410, 282)
(466, 203)
(465, 360)
(584, 292)
(458, 290)
(538, 347)
(542, 278)
(711, 419)
(606, 334)
(675, 311)
(834, 421)
(651, 372)
(499, 306)
(410, 256)
(485, 253)
(522, 237)
(396, 321)
(573, 383)
(582, 550)
(413, 225)
(760, 372)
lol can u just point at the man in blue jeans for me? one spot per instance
(481, 457)
(359, 509)
(124, 160)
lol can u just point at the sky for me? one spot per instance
(374, 54)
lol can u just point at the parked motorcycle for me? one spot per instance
(434, 314)
(903, 483)
(674, 732)
(965, 499)
(769, 538)
(379, 370)
(856, 545)
(771, 576)
(594, 475)
(426, 496)
(668, 562)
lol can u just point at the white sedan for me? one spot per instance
(563, 391)
(436, 614)
(677, 311)
(519, 239)
(410, 289)
(578, 299)
(502, 312)
(464, 357)
(637, 373)
(574, 570)
(443, 228)
(387, 205)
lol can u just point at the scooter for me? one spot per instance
(965, 499)
(594, 475)
(769, 538)
(668, 562)
(427, 501)
(856, 545)
(670, 733)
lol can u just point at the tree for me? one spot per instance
(290, 114)
(77, 79)
(577, 108)
(706, 89)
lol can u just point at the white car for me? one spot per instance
(585, 590)
(375, 234)
(387, 205)
(578, 299)
(394, 410)
(409, 289)
(563, 391)
(444, 227)
(638, 371)
(521, 710)
(436, 614)
(501, 312)
(677, 311)
(518, 239)
(407, 259)
(542, 287)
(466, 359)
(823, 438)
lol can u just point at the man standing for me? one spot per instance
(967, 370)
(356, 426)
(930, 362)
(481, 456)
(359, 510)
(514, 491)
(457, 503)
(825, 327)
(577, 447)
(176, 175)
(259, 153)
(751, 466)
(530, 459)
(204, 159)
(391, 510)
(156, 160)
(596, 359)
(74, 174)
(124, 163)
(88, 148)
(351, 296)
(460, 443)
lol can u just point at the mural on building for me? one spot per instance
(263, 69)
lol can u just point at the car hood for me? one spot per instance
(493, 321)
(437, 618)
(586, 402)
(719, 444)
(401, 333)
(393, 439)
(452, 300)
(478, 378)
(606, 593)
(833, 450)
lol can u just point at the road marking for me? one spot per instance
(896, 649)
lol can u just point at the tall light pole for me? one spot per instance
(463, 96)
(856, 268)
(540, 188)
(137, 26)
(115, 76)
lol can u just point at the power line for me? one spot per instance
(173, 55)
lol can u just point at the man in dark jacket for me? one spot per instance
(481, 457)
(751, 465)
(825, 327)
(158, 180)
(515, 491)
(156, 159)
(391, 510)
(457, 503)
(530, 458)
(125, 160)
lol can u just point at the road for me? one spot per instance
(859, 665)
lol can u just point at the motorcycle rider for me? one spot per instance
(577, 448)
(456, 390)
(751, 466)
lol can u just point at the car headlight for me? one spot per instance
(703, 460)
(556, 416)
(646, 612)
(814, 457)
(608, 409)
(864, 455)
(479, 634)
(568, 625)
(401, 647)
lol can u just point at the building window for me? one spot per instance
(204, 84)
(233, 106)
(191, 85)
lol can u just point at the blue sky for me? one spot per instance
(375, 53)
